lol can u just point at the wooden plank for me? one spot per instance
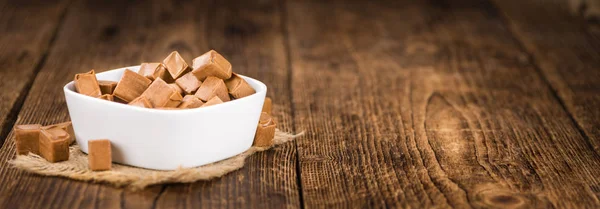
(249, 34)
(114, 36)
(28, 29)
(566, 49)
(93, 36)
(428, 104)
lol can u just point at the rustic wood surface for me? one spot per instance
(405, 104)
(565, 49)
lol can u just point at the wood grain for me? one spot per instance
(110, 35)
(28, 29)
(249, 35)
(566, 50)
(406, 104)
(428, 104)
(88, 39)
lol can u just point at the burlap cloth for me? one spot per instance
(133, 177)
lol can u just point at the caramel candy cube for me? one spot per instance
(160, 94)
(131, 86)
(141, 101)
(177, 88)
(99, 155)
(189, 83)
(211, 63)
(54, 144)
(86, 84)
(27, 138)
(238, 87)
(267, 105)
(211, 87)
(117, 100)
(176, 65)
(265, 132)
(155, 70)
(213, 101)
(107, 87)
(67, 126)
(190, 101)
(108, 97)
(167, 108)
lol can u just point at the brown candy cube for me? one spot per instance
(190, 101)
(67, 126)
(176, 65)
(131, 86)
(265, 132)
(155, 70)
(168, 108)
(238, 87)
(107, 87)
(86, 84)
(27, 138)
(54, 144)
(211, 64)
(189, 83)
(117, 100)
(141, 101)
(177, 88)
(99, 155)
(213, 101)
(267, 105)
(160, 94)
(108, 97)
(211, 87)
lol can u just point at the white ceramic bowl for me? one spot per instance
(166, 139)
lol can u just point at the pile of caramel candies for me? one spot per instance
(171, 84)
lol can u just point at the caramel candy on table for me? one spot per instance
(107, 87)
(190, 101)
(86, 84)
(189, 83)
(238, 87)
(177, 88)
(211, 63)
(141, 101)
(267, 105)
(211, 87)
(54, 144)
(108, 97)
(160, 94)
(265, 132)
(99, 155)
(215, 100)
(67, 126)
(176, 65)
(27, 138)
(131, 86)
(155, 70)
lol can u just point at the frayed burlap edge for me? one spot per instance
(137, 178)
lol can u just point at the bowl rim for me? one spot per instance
(261, 88)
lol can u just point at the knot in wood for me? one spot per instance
(501, 198)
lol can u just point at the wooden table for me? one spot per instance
(446, 104)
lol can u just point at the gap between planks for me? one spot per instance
(286, 41)
(12, 116)
(534, 62)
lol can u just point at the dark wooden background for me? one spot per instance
(445, 104)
